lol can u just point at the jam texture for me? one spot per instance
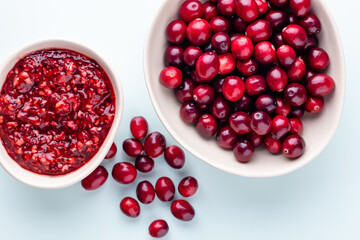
(56, 109)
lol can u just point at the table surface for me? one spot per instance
(319, 201)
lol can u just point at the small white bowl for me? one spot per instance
(318, 129)
(61, 181)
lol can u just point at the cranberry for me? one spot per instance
(165, 189)
(295, 36)
(184, 92)
(198, 32)
(247, 10)
(130, 207)
(207, 66)
(210, 10)
(173, 56)
(132, 147)
(279, 3)
(188, 186)
(255, 139)
(96, 179)
(145, 192)
(243, 151)
(239, 25)
(175, 157)
(189, 113)
(282, 107)
(220, 42)
(124, 172)
(318, 59)
(226, 7)
(277, 40)
(272, 145)
(240, 122)
(154, 144)
(247, 67)
(243, 104)
(255, 85)
(280, 127)
(182, 210)
(260, 123)
(292, 19)
(112, 151)
(296, 126)
(217, 83)
(258, 31)
(276, 79)
(242, 48)
(264, 52)
(190, 10)
(308, 75)
(191, 54)
(311, 24)
(206, 125)
(300, 7)
(227, 63)
(276, 19)
(144, 164)
(220, 108)
(293, 146)
(203, 94)
(320, 85)
(262, 6)
(226, 137)
(295, 94)
(158, 228)
(139, 127)
(286, 55)
(266, 103)
(314, 104)
(171, 77)
(176, 31)
(233, 88)
(220, 24)
(297, 112)
(297, 71)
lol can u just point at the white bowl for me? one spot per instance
(61, 181)
(318, 129)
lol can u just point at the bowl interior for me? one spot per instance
(318, 129)
(44, 181)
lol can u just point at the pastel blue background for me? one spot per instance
(319, 201)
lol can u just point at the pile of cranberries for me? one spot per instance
(245, 71)
(144, 147)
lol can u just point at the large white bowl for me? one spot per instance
(61, 181)
(318, 129)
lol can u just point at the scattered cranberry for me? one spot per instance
(96, 179)
(280, 127)
(293, 146)
(176, 31)
(175, 157)
(247, 10)
(133, 147)
(295, 94)
(243, 151)
(182, 210)
(130, 207)
(206, 125)
(145, 192)
(171, 77)
(320, 85)
(227, 63)
(233, 88)
(276, 79)
(318, 59)
(189, 113)
(296, 126)
(240, 122)
(300, 7)
(158, 228)
(258, 31)
(144, 164)
(297, 71)
(314, 104)
(226, 137)
(154, 144)
(260, 123)
(139, 127)
(264, 52)
(286, 55)
(112, 152)
(124, 172)
(198, 32)
(272, 145)
(190, 10)
(207, 66)
(165, 189)
(295, 36)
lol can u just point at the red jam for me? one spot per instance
(56, 109)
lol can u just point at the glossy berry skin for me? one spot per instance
(244, 104)
(240, 122)
(139, 127)
(262, 6)
(188, 186)
(258, 31)
(207, 66)
(184, 92)
(266, 103)
(295, 94)
(300, 7)
(227, 63)
(320, 85)
(247, 67)
(280, 127)
(158, 228)
(190, 10)
(255, 139)
(239, 25)
(182, 210)
(296, 126)
(133, 147)
(144, 164)
(312, 42)
(124, 172)
(243, 151)
(297, 71)
(242, 48)
(260, 123)
(314, 104)
(286, 55)
(226, 7)
(311, 24)
(226, 137)
(96, 179)
(282, 107)
(206, 125)
(276, 79)
(272, 145)
(130, 207)
(203, 94)
(233, 88)
(276, 19)
(198, 32)
(176, 32)
(277, 40)
(293, 146)
(279, 3)
(264, 52)
(220, 24)
(247, 10)
(173, 56)
(175, 157)
(191, 54)
(220, 42)
(154, 144)
(295, 36)
(112, 152)
(171, 77)
(145, 192)
(297, 112)
(210, 10)
(318, 59)
(217, 82)
(220, 108)
(165, 189)
(189, 112)
(255, 85)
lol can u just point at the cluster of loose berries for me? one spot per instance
(245, 71)
(144, 147)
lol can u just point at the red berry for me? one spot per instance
(277, 19)
(154, 144)
(293, 146)
(258, 31)
(226, 137)
(300, 7)
(226, 7)
(175, 157)
(242, 48)
(286, 55)
(191, 54)
(171, 77)
(243, 151)
(247, 67)
(247, 10)
(206, 125)
(255, 139)
(296, 126)
(280, 127)
(173, 56)
(227, 63)
(220, 24)
(260, 123)
(276, 79)
(188, 186)
(282, 107)
(144, 163)
(189, 112)
(182, 210)
(207, 66)
(176, 31)
(220, 108)
(198, 32)
(165, 189)
(320, 85)
(112, 152)
(145, 192)
(210, 10)
(266, 103)
(130, 207)
(139, 127)
(314, 104)
(190, 10)
(262, 6)
(96, 179)
(318, 59)
(264, 52)
(133, 147)
(295, 36)
(158, 228)
(124, 172)
(295, 94)
(311, 24)
(184, 92)
(240, 122)
(297, 71)
(233, 88)
(272, 145)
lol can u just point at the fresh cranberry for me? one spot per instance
(191, 54)
(158, 228)
(190, 10)
(220, 24)
(311, 24)
(266, 103)
(220, 42)
(198, 32)
(292, 19)
(207, 66)
(296, 126)
(318, 59)
(314, 104)
(293, 146)
(208, 48)
(173, 56)
(144, 163)
(124, 172)
(203, 94)
(262, 6)
(227, 63)
(182, 210)
(277, 40)
(220, 108)
(255, 85)
(184, 92)
(189, 112)
(188, 186)
(295, 36)
(210, 10)
(96, 179)
(226, 7)
(206, 125)
(272, 145)
(255, 139)
(165, 189)
(112, 151)
(276, 79)
(282, 107)
(300, 7)
(240, 122)
(297, 112)
(260, 123)
(145, 192)
(295, 94)
(175, 157)
(258, 31)
(130, 207)
(243, 151)
(133, 147)
(239, 25)
(139, 127)
(176, 31)
(320, 85)
(244, 104)
(264, 52)
(247, 10)
(242, 48)
(280, 127)
(217, 83)
(312, 42)
(279, 3)
(286, 55)
(226, 137)
(233, 88)
(276, 19)
(154, 144)
(171, 77)
(297, 71)
(308, 75)
(247, 67)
